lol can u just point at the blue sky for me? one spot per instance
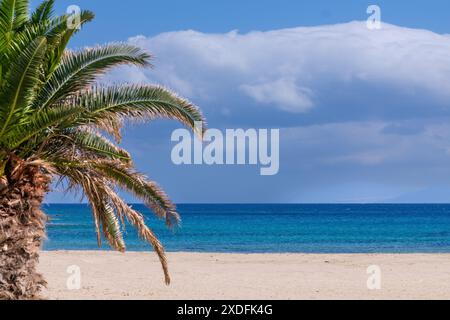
(119, 20)
(377, 129)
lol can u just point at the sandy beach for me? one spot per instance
(108, 275)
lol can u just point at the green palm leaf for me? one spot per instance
(44, 12)
(80, 69)
(13, 15)
(62, 35)
(21, 12)
(44, 122)
(21, 83)
(136, 102)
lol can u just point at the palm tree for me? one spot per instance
(57, 123)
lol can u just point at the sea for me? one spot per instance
(271, 228)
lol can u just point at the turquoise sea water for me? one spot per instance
(257, 228)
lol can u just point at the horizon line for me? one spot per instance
(271, 203)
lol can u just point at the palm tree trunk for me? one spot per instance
(22, 229)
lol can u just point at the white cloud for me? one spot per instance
(284, 93)
(344, 66)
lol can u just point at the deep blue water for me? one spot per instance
(376, 228)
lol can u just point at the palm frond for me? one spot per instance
(21, 83)
(63, 35)
(98, 194)
(21, 13)
(44, 122)
(112, 126)
(80, 178)
(77, 70)
(138, 184)
(7, 9)
(99, 146)
(111, 225)
(137, 220)
(13, 14)
(22, 38)
(137, 103)
(44, 12)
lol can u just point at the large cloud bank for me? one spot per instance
(360, 107)
(325, 73)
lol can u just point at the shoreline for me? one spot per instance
(247, 253)
(260, 276)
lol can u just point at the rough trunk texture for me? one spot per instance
(22, 229)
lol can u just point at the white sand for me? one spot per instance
(106, 275)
